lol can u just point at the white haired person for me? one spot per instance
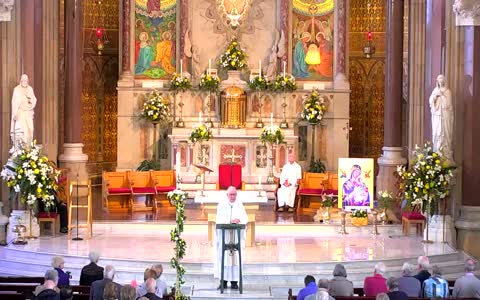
(51, 276)
(58, 263)
(161, 285)
(409, 284)
(376, 284)
(151, 287)
(91, 272)
(289, 180)
(322, 292)
(423, 265)
(97, 288)
(467, 286)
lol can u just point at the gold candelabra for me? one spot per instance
(180, 122)
(260, 106)
(284, 123)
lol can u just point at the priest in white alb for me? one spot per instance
(289, 179)
(229, 211)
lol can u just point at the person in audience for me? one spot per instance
(423, 265)
(375, 284)
(49, 292)
(161, 285)
(435, 286)
(409, 284)
(50, 275)
(309, 289)
(96, 290)
(58, 263)
(110, 291)
(91, 272)
(393, 292)
(340, 286)
(128, 292)
(382, 296)
(151, 287)
(322, 290)
(142, 288)
(467, 286)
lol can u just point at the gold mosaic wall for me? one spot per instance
(367, 78)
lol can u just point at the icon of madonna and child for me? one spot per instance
(355, 190)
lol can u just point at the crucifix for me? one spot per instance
(232, 156)
(261, 157)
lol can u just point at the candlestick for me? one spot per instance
(259, 180)
(260, 66)
(209, 65)
(177, 164)
(200, 118)
(271, 120)
(181, 68)
(284, 67)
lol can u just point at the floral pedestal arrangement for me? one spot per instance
(22, 217)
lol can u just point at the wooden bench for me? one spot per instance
(164, 182)
(312, 184)
(115, 185)
(142, 184)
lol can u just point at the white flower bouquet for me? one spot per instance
(314, 108)
(156, 108)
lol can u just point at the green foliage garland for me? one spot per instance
(177, 198)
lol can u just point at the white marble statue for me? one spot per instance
(441, 108)
(23, 105)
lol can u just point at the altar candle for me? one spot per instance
(181, 68)
(259, 180)
(284, 67)
(200, 117)
(260, 66)
(271, 120)
(177, 163)
(209, 65)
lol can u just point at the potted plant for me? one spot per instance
(317, 166)
(327, 203)
(359, 217)
(384, 202)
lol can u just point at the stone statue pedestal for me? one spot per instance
(234, 79)
(22, 217)
(441, 229)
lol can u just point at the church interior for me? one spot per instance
(346, 127)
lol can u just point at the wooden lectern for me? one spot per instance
(203, 169)
(232, 246)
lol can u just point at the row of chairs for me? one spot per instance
(129, 184)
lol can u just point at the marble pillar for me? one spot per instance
(340, 63)
(392, 150)
(127, 37)
(73, 157)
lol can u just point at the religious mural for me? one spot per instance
(355, 183)
(155, 38)
(312, 40)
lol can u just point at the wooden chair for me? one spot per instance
(413, 218)
(115, 184)
(142, 185)
(312, 184)
(164, 182)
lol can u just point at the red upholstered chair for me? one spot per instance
(142, 185)
(312, 184)
(413, 218)
(115, 184)
(230, 175)
(332, 186)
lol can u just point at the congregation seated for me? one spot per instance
(340, 285)
(128, 292)
(58, 263)
(151, 288)
(161, 285)
(423, 265)
(49, 291)
(393, 290)
(375, 284)
(407, 283)
(91, 272)
(142, 288)
(435, 286)
(468, 285)
(51, 276)
(309, 289)
(110, 291)
(97, 288)
(322, 291)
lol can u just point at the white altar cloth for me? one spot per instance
(213, 197)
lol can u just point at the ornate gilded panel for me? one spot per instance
(367, 15)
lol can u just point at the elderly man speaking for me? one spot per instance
(229, 211)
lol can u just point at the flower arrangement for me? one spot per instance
(385, 199)
(272, 135)
(180, 83)
(427, 180)
(259, 83)
(314, 108)
(31, 174)
(285, 83)
(200, 133)
(177, 198)
(359, 213)
(156, 108)
(209, 83)
(327, 200)
(234, 57)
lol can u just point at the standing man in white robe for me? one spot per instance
(23, 105)
(229, 211)
(289, 179)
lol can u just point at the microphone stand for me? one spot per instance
(77, 238)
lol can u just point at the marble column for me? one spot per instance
(416, 76)
(126, 41)
(73, 157)
(340, 80)
(392, 150)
